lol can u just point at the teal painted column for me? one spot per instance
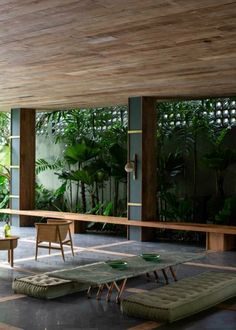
(15, 165)
(22, 185)
(142, 148)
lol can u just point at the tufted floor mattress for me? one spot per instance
(43, 286)
(183, 298)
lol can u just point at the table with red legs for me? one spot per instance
(103, 276)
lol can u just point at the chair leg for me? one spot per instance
(36, 252)
(61, 245)
(37, 242)
(50, 247)
(62, 252)
(72, 249)
(71, 243)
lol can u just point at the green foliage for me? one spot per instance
(220, 159)
(117, 159)
(113, 133)
(108, 209)
(4, 128)
(4, 161)
(4, 188)
(48, 199)
(104, 208)
(169, 167)
(217, 135)
(81, 152)
(95, 155)
(43, 165)
(79, 175)
(183, 126)
(92, 156)
(4, 202)
(5, 155)
(179, 209)
(71, 126)
(227, 215)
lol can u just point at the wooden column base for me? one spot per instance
(78, 227)
(220, 242)
(26, 221)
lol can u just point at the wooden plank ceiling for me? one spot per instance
(58, 54)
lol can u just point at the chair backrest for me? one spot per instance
(63, 226)
(49, 232)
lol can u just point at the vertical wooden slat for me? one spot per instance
(27, 162)
(149, 164)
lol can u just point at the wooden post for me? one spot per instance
(220, 242)
(22, 166)
(142, 147)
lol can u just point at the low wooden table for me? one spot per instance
(9, 243)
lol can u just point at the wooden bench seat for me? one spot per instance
(181, 299)
(218, 237)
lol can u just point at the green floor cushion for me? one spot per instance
(43, 286)
(183, 298)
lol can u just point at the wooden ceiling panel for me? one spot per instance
(57, 54)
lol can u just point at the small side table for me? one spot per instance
(9, 243)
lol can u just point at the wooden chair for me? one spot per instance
(54, 231)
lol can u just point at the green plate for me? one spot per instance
(118, 264)
(150, 256)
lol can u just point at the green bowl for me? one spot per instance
(150, 256)
(117, 264)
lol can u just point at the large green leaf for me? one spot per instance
(4, 202)
(81, 152)
(43, 165)
(219, 159)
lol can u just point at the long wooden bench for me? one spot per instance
(218, 237)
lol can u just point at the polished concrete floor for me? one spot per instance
(77, 311)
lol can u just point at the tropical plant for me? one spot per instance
(219, 160)
(90, 160)
(50, 200)
(79, 154)
(4, 188)
(227, 215)
(179, 209)
(116, 160)
(4, 161)
(4, 128)
(183, 126)
(42, 165)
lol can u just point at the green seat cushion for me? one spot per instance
(43, 286)
(183, 298)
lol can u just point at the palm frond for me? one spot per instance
(43, 165)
